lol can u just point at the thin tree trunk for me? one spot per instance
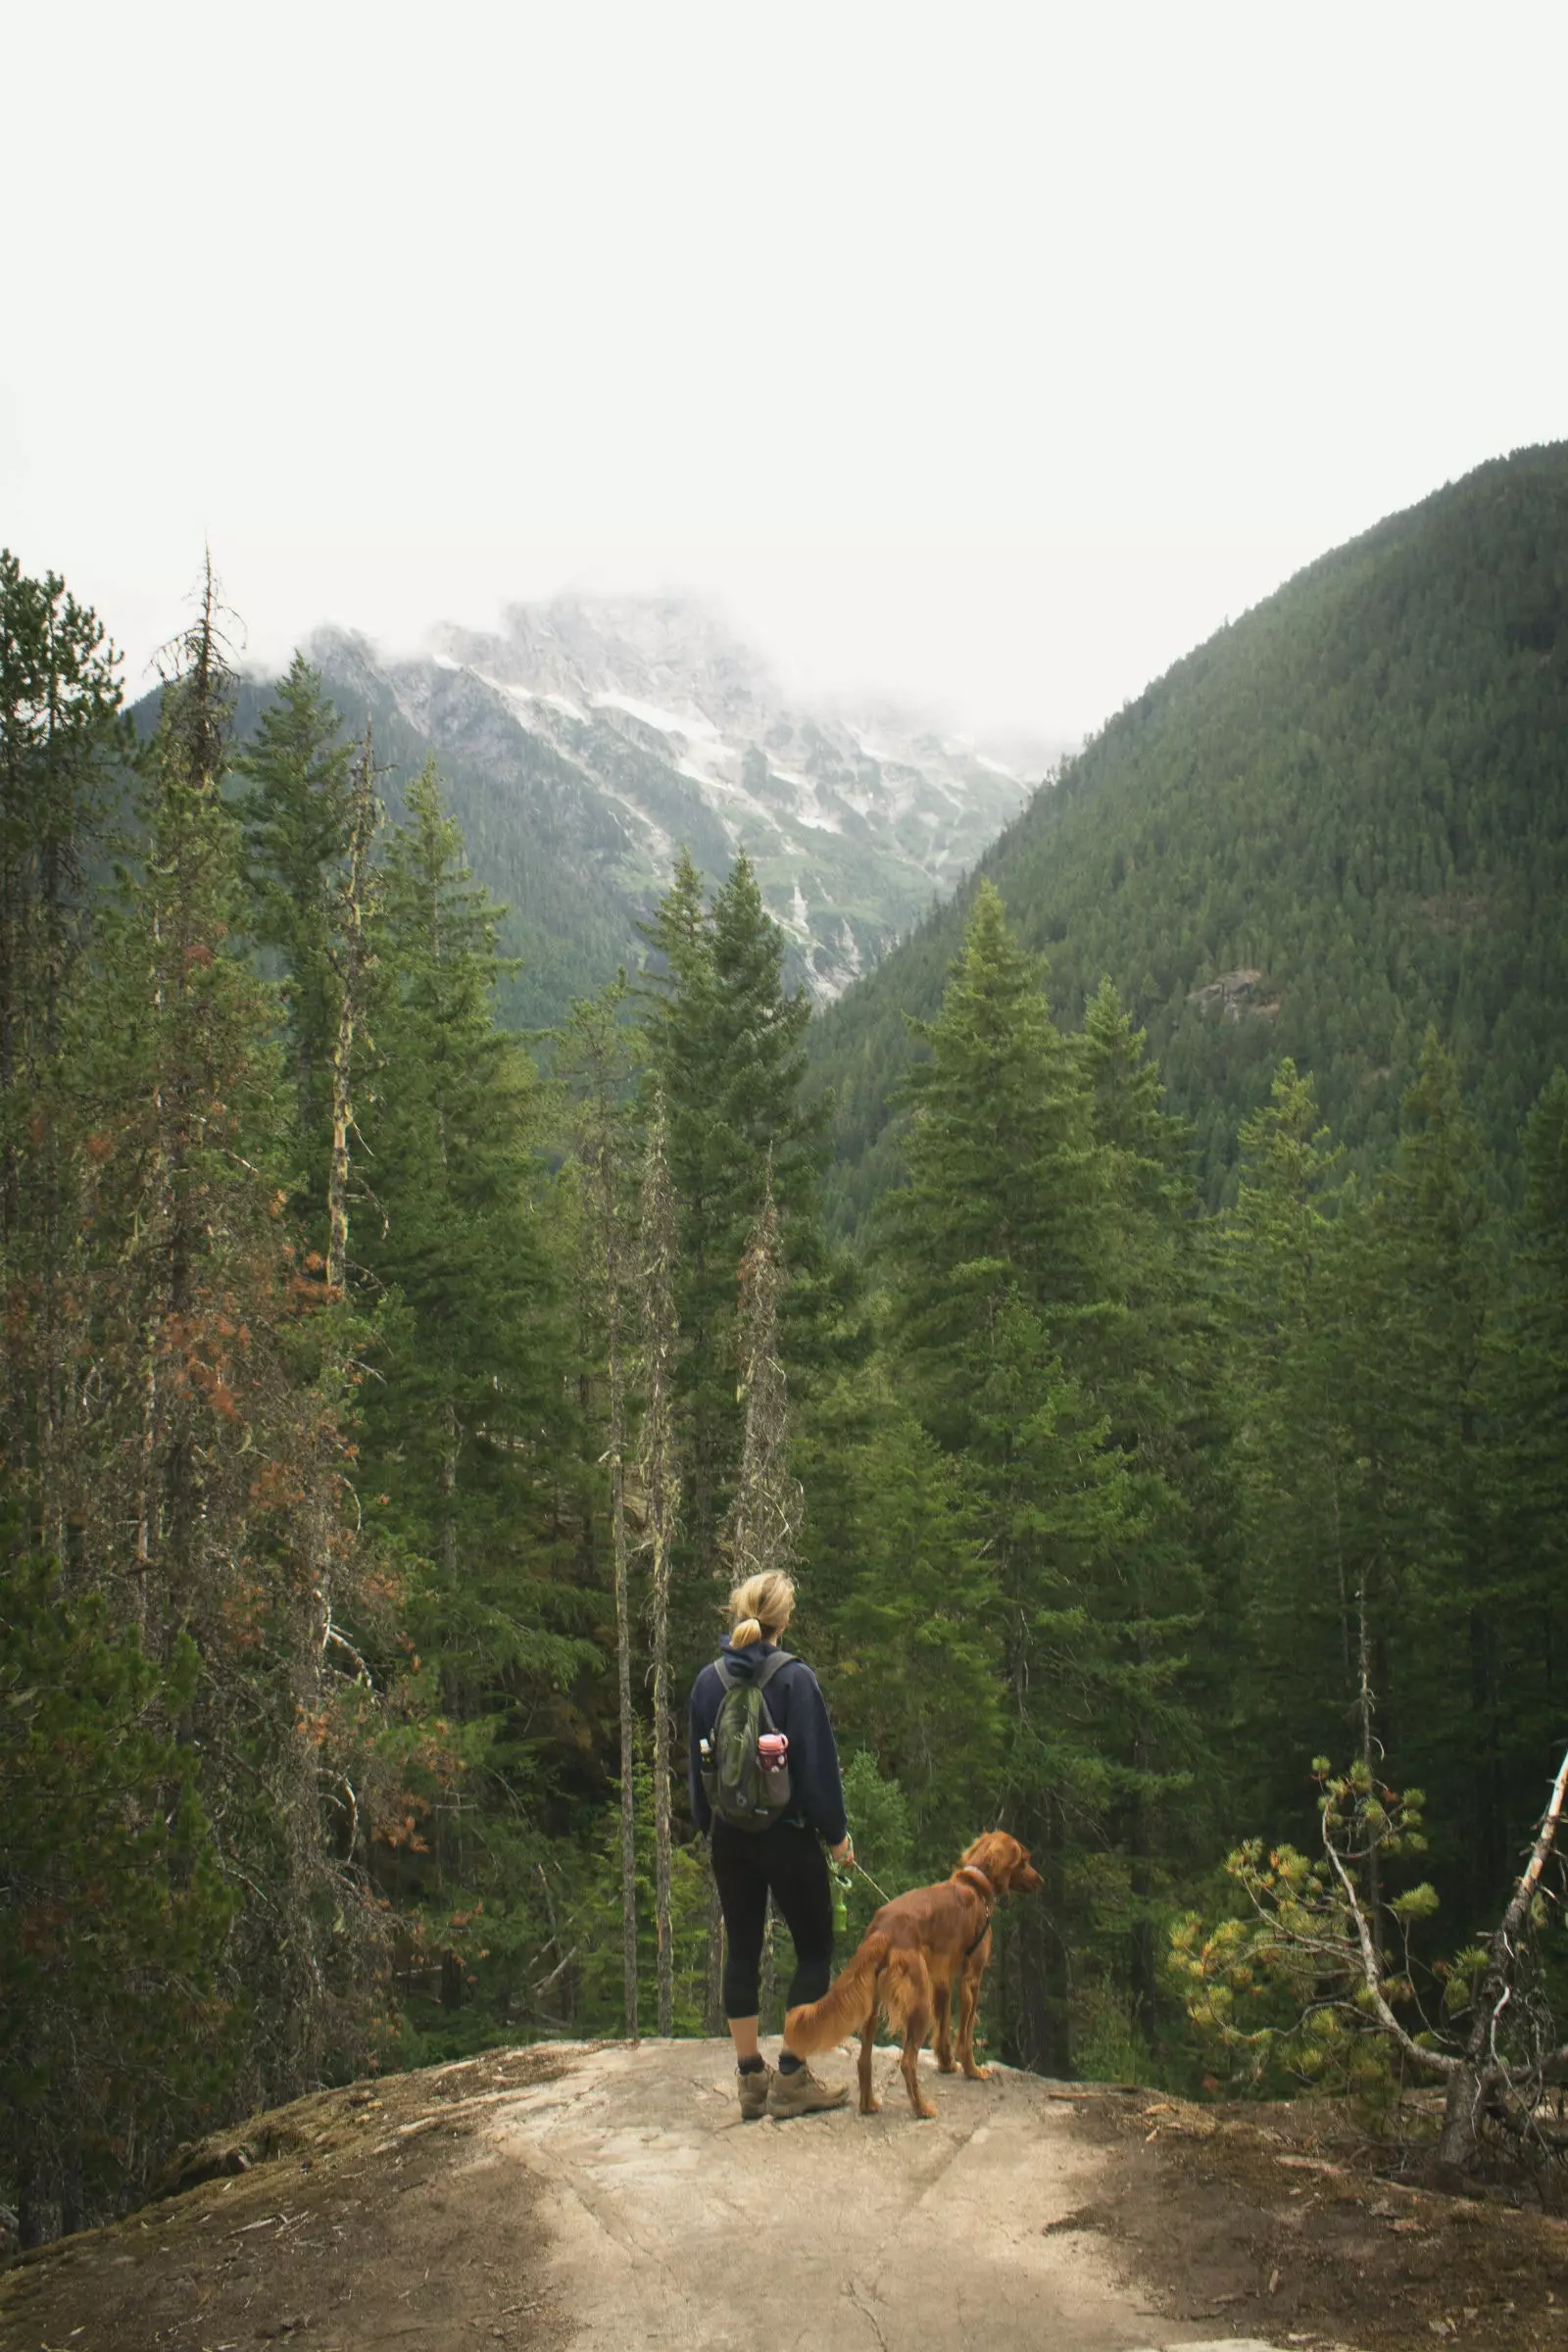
(449, 1493)
(351, 971)
(598, 1042)
(769, 1986)
(628, 1748)
(713, 1991)
(660, 1478)
(1366, 1704)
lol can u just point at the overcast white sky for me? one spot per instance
(986, 354)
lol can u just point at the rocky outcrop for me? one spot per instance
(1236, 995)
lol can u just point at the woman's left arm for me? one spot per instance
(815, 1775)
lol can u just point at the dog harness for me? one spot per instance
(972, 1870)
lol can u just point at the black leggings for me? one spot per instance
(787, 1862)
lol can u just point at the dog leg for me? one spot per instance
(969, 2002)
(870, 2104)
(944, 2010)
(914, 2033)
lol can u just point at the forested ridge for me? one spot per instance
(386, 1415)
(1342, 818)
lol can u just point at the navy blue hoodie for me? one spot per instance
(799, 1710)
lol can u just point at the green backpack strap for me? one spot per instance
(758, 1682)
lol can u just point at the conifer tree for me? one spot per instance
(63, 745)
(115, 1914)
(725, 1045)
(469, 1437)
(1004, 1303)
(209, 1501)
(1294, 1471)
(1003, 1195)
(1530, 1467)
(1425, 1265)
(301, 818)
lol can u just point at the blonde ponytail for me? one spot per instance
(761, 1608)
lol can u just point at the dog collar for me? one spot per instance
(972, 1869)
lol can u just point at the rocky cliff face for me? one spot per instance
(624, 727)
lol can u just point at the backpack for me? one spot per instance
(738, 1785)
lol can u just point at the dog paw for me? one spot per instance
(979, 2074)
(925, 2112)
(870, 2106)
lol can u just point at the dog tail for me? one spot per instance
(845, 2006)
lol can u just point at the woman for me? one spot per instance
(784, 1860)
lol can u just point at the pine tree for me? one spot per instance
(1530, 1474)
(1295, 1473)
(206, 1494)
(1005, 1307)
(1428, 1266)
(300, 819)
(1005, 1182)
(63, 747)
(470, 1439)
(726, 1047)
(115, 1914)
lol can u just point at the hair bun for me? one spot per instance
(745, 1633)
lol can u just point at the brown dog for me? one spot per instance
(916, 1950)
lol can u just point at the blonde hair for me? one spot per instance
(761, 1608)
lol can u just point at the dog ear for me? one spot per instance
(993, 1852)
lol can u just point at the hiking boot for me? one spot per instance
(800, 2094)
(754, 2089)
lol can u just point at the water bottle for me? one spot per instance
(841, 1909)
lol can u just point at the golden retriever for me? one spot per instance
(917, 1949)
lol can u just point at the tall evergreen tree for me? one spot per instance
(298, 813)
(469, 1433)
(1004, 1309)
(726, 1047)
(63, 748)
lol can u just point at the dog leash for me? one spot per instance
(866, 1875)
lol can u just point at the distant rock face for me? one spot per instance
(1234, 994)
(660, 729)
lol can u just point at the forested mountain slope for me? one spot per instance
(1344, 817)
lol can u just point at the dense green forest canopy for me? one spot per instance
(383, 1420)
(1342, 819)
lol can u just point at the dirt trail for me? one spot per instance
(600, 2198)
(671, 2224)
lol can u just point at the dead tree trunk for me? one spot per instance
(600, 1051)
(661, 1477)
(352, 965)
(1482, 2077)
(1485, 2078)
